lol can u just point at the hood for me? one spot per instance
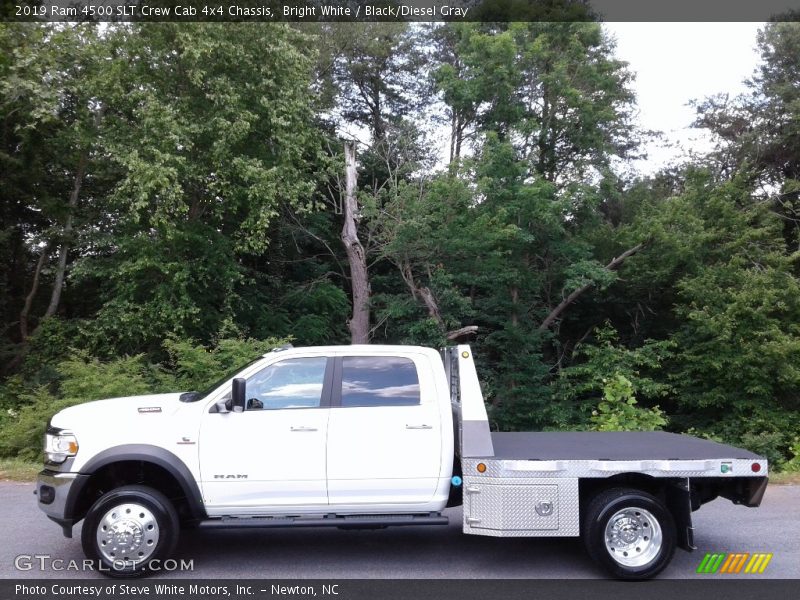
(120, 408)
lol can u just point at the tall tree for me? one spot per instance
(376, 72)
(211, 126)
(52, 100)
(760, 131)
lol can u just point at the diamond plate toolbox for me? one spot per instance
(519, 508)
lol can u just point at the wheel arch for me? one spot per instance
(675, 493)
(623, 501)
(147, 457)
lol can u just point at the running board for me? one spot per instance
(354, 521)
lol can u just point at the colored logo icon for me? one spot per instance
(734, 563)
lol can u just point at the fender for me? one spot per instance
(144, 453)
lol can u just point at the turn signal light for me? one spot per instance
(481, 468)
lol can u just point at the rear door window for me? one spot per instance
(379, 381)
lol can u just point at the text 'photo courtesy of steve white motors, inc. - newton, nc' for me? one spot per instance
(222, 10)
(192, 590)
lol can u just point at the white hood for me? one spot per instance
(122, 409)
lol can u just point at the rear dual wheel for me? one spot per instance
(629, 532)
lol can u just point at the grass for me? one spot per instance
(785, 478)
(16, 469)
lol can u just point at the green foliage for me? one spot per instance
(181, 283)
(607, 361)
(83, 378)
(206, 226)
(769, 431)
(22, 431)
(617, 411)
(192, 366)
(793, 465)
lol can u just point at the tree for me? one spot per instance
(51, 97)
(760, 131)
(375, 71)
(359, 322)
(716, 284)
(554, 90)
(212, 130)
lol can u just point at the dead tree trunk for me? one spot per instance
(612, 266)
(356, 256)
(61, 267)
(426, 295)
(26, 309)
(423, 293)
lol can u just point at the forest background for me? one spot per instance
(176, 198)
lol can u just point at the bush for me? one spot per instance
(618, 411)
(192, 366)
(793, 465)
(769, 432)
(22, 434)
(601, 363)
(26, 410)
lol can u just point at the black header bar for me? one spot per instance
(164, 588)
(398, 10)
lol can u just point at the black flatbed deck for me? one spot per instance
(611, 445)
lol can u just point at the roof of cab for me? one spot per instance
(372, 348)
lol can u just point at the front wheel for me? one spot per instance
(630, 533)
(130, 530)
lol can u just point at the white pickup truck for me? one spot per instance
(370, 436)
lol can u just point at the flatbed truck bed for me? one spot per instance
(611, 445)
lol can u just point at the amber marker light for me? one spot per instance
(481, 468)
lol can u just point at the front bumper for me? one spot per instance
(56, 494)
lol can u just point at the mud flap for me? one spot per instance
(753, 492)
(679, 503)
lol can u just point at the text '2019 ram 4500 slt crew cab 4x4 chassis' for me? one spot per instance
(370, 436)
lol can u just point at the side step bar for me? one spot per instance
(354, 521)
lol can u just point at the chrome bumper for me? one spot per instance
(53, 493)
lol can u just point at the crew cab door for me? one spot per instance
(384, 433)
(272, 454)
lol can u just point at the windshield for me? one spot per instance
(202, 394)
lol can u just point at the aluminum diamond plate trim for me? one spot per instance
(507, 507)
(598, 469)
(512, 507)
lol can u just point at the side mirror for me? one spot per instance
(238, 390)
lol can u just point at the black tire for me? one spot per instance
(162, 520)
(645, 549)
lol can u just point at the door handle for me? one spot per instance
(423, 426)
(303, 428)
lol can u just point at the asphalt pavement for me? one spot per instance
(404, 552)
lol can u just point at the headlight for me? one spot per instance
(59, 445)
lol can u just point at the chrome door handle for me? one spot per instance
(303, 428)
(423, 426)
